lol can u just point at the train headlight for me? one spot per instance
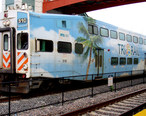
(6, 23)
(25, 66)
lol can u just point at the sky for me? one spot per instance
(130, 17)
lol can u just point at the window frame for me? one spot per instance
(120, 33)
(21, 39)
(128, 62)
(104, 29)
(135, 61)
(39, 50)
(7, 42)
(129, 36)
(144, 41)
(140, 38)
(112, 36)
(58, 50)
(122, 63)
(93, 29)
(116, 62)
(134, 39)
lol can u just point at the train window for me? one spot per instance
(104, 32)
(135, 60)
(122, 36)
(44, 45)
(135, 39)
(144, 41)
(64, 24)
(64, 47)
(6, 44)
(93, 29)
(140, 40)
(22, 41)
(90, 29)
(113, 34)
(122, 61)
(129, 60)
(100, 61)
(78, 48)
(114, 60)
(129, 38)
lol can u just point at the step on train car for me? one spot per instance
(35, 46)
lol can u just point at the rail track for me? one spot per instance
(120, 106)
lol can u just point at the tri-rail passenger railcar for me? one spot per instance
(36, 45)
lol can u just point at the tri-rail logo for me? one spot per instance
(128, 50)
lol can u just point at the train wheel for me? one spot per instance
(45, 86)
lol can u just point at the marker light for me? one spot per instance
(6, 23)
(25, 66)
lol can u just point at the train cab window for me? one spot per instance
(140, 40)
(44, 45)
(113, 34)
(104, 32)
(144, 41)
(135, 60)
(6, 44)
(129, 38)
(114, 60)
(64, 47)
(64, 24)
(122, 61)
(135, 39)
(122, 36)
(93, 29)
(129, 61)
(22, 41)
(78, 48)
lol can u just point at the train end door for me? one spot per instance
(6, 51)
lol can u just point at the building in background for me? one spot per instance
(35, 4)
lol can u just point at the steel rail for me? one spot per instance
(100, 105)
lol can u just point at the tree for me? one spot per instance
(89, 41)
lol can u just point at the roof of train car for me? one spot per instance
(78, 17)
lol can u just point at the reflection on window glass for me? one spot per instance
(6, 42)
(64, 47)
(22, 41)
(90, 29)
(129, 38)
(129, 60)
(135, 39)
(78, 48)
(140, 40)
(114, 61)
(113, 34)
(135, 60)
(122, 36)
(104, 32)
(122, 61)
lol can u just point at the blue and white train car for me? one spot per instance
(34, 46)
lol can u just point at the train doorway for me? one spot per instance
(99, 61)
(7, 48)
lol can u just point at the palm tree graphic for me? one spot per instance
(90, 42)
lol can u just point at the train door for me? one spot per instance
(99, 61)
(5, 50)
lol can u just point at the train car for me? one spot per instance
(34, 46)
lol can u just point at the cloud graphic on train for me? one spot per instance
(43, 33)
